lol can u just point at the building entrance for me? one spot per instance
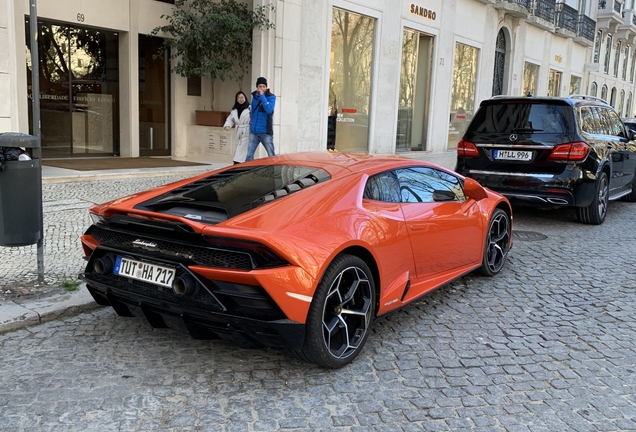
(154, 93)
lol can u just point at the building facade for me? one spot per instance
(613, 64)
(376, 76)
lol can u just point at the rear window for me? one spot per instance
(229, 193)
(522, 118)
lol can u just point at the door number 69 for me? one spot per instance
(80, 17)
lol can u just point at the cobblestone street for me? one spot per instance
(547, 345)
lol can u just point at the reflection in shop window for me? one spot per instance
(530, 78)
(463, 93)
(414, 88)
(352, 39)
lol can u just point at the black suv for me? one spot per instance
(551, 152)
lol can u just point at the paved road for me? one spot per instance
(549, 345)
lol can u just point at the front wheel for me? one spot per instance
(497, 243)
(595, 213)
(341, 313)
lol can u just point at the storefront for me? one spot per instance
(383, 78)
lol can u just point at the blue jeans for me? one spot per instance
(255, 140)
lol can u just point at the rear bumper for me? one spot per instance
(201, 321)
(573, 187)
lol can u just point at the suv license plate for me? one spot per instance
(154, 274)
(520, 155)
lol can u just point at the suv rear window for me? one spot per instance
(522, 117)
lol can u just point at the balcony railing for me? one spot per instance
(525, 3)
(544, 9)
(586, 28)
(602, 4)
(567, 18)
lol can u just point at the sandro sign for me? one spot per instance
(423, 12)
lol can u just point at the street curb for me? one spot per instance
(17, 315)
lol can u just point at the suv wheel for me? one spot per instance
(595, 213)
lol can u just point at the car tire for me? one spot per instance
(595, 213)
(497, 243)
(341, 313)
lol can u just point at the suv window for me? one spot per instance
(587, 121)
(617, 125)
(522, 117)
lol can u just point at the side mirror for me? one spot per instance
(444, 195)
(472, 189)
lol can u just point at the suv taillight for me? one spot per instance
(572, 152)
(467, 149)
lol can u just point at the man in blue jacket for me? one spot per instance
(262, 122)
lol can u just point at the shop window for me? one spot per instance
(414, 91)
(463, 91)
(530, 78)
(554, 83)
(79, 90)
(352, 40)
(575, 84)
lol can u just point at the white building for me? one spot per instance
(377, 76)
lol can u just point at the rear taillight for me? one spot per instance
(467, 149)
(572, 152)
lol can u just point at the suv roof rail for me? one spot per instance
(582, 96)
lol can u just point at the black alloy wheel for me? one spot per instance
(497, 243)
(341, 313)
(595, 213)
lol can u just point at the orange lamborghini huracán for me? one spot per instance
(302, 250)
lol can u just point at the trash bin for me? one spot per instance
(20, 194)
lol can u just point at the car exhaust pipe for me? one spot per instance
(103, 265)
(560, 201)
(184, 285)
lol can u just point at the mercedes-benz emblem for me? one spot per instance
(513, 137)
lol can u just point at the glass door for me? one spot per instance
(415, 78)
(154, 92)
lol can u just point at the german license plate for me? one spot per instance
(521, 155)
(143, 271)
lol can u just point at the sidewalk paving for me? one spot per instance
(24, 311)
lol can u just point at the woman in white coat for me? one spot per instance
(240, 117)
